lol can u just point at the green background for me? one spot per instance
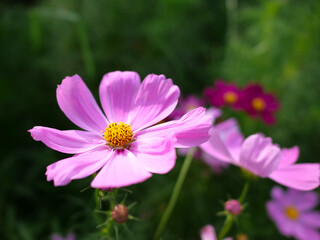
(275, 43)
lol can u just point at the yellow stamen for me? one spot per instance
(292, 213)
(118, 135)
(230, 97)
(258, 104)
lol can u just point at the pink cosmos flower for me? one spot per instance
(260, 156)
(257, 103)
(223, 94)
(124, 144)
(228, 132)
(56, 236)
(189, 103)
(293, 213)
(208, 233)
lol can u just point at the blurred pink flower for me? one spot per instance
(189, 103)
(260, 156)
(293, 213)
(208, 233)
(56, 236)
(124, 143)
(229, 134)
(223, 94)
(257, 103)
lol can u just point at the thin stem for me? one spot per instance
(226, 227)
(244, 192)
(175, 193)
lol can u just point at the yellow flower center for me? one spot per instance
(292, 213)
(230, 97)
(118, 135)
(258, 104)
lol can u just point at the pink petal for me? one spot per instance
(231, 136)
(308, 200)
(214, 112)
(157, 155)
(118, 91)
(123, 169)
(225, 142)
(259, 155)
(310, 219)
(190, 130)
(279, 195)
(216, 148)
(78, 104)
(215, 164)
(157, 97)
(289, 156)
(78, 166)
(71, 141)
(302, 232)
(227, 126)
(208, 233)
(303, 176)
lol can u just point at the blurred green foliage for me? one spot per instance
(275, 43)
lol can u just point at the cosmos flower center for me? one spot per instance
(258, 104)
(118, 135)
(230, 97)
(292, 213)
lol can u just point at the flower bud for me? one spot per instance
(233, 206)
(120, 213)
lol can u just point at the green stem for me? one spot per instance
(175, 193)
(226, 227)
(244, 192)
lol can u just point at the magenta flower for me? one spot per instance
(293, 213)
(56, 236)
(223, 94)
(208, 233)
(125, 144)
(258, 103)
(260, 156)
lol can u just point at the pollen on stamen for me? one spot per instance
(118, 135)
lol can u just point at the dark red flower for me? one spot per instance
(257, 103)
(223, 94)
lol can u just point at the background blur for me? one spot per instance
(275, 43)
